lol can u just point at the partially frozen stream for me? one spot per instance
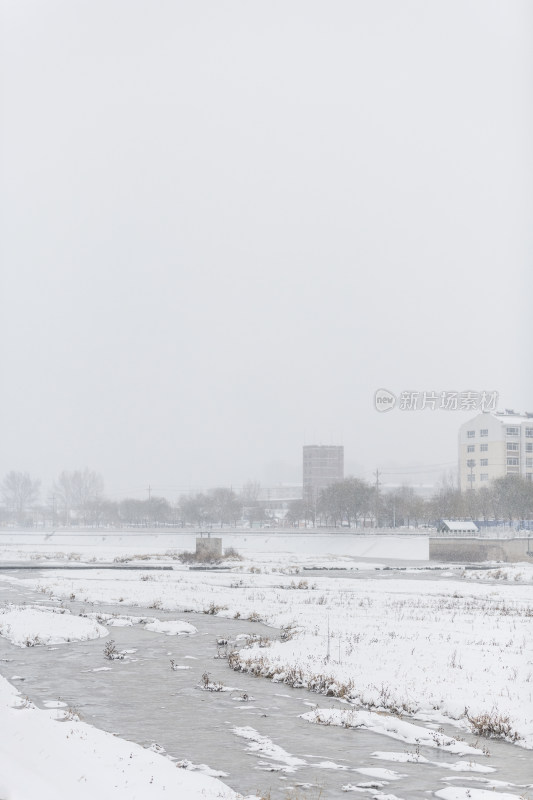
(143, 700)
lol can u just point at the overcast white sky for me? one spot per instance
(226, 224)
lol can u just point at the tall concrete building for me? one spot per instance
(322, 466)
(492, 445)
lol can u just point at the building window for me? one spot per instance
(514, 446)
(484, 432)
(513, 431)
(484, 448)
(470, 448)
(471, 478)
(484, 462)
(529, 462)
(529, 447)
(529, 433)
(470, 434)
(484, 476)
(512, 462)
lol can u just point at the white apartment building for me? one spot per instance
(495, 444)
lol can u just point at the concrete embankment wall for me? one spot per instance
(375, 546)
(459, 550)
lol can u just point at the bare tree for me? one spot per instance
(298, 510)
(195, 509)
(19, 492)
(133, 511)
(346, 501)
(250, 492)
(513, 496)
(252, 510)
(225, 506)
(77, 491)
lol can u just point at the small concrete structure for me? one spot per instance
(458, 526)
(209, 548)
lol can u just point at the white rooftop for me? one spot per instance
(460, 525)
(505, 418)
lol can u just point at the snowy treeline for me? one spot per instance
(78, 497)
(354, 502)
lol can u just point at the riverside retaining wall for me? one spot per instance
(459, 550)
(375, 546)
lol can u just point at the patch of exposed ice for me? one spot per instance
(411, 758)
(465, 766)
(378, 772)
(203, 768)
(468, 793)
(389, 726)
(171, 627)
(266, 747)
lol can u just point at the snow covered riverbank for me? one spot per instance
(52, 755)
(432, 648)
(436, 646)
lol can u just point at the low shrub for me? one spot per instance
(233, 554)
(111, 652)
(492, 725)
(189, 557)
(213, 609)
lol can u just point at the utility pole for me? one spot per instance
(376, 473)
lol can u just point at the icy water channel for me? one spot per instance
(143, 700)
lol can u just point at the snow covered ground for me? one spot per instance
(422, 647)
(436, 647)
(29, 626)
(52, 755)
(48, 555)
(517, 573)
(87, 543)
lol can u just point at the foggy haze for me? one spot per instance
(226, 225)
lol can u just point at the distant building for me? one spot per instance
(322, 466)
(280, 495)
(493, 445)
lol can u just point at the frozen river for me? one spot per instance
(143, 700)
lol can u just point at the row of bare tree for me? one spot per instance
(78, 497)
(74, 493)
(354, 502)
